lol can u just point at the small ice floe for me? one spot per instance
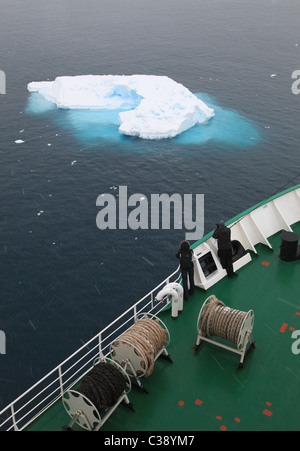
(273, 75)
(40, 212)
(49, 145)
(22, 131)
(19, 141)
(153, 107)
(73, 162)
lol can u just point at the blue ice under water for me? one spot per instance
(92, 126)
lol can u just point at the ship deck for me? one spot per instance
(205, 391)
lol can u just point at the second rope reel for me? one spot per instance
(218, 321)
(137, 350)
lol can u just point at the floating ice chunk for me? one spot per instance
(19, 141)
(152, 107)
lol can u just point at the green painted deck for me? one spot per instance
(206, 391)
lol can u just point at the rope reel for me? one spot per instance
(234, 326)
(139, 347)
(100, 392)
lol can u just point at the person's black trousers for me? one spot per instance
(188, 273)
(226, 261)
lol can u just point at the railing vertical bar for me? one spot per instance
(14, 418)
(61, 384)
(100, 346)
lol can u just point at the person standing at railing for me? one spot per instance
(223, 235)
(185, 254)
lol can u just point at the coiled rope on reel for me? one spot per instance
(100, 392)
(138, 348)
(221, 321)
(103, 385)
(234, 326)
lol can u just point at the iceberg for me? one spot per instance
(150, 106)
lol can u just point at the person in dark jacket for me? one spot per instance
(223, 235)
(185, 255)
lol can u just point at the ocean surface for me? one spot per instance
(62, 279)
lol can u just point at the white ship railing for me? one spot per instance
(35, 401)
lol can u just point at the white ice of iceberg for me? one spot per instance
(154, 107)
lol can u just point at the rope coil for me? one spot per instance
(221, 321)
(103, 385)
(148, 337)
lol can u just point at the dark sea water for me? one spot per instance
(62, 279)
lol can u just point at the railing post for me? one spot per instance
(100, 346)
(13, 418)
(134, 313)
(61, 384)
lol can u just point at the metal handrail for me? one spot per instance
(17, 418)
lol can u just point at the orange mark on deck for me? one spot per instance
(283, 328)
(198, 402)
